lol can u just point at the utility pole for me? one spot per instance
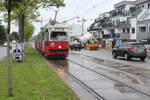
(41, 22)
(82, 27)
(83, 21)
(10, 86)
(56, 12)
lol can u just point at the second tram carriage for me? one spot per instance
(53, 40)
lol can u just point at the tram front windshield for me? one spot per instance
(59, 36)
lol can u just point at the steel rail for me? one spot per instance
(110, 66)
(137, 90)
(77, 80)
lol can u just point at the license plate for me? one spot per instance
(139, 50)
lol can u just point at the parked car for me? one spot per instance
(6, 44)
(130, 50)
(76, 46)
(147, 47)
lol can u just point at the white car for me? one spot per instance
(6, 44)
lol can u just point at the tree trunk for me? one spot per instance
(21, 27)
(10, 84)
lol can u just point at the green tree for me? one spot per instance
(28, 9)
(28, 30)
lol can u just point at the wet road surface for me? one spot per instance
(107, 55)
(3, 52)
(141, 71)
(109, 83)
(134, 81)
(77, 88)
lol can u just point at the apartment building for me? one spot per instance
(143, 19)
(130, 20)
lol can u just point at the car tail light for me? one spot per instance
(145, 49)
(132, 48)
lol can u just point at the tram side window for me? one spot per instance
(59, 36)
(46, 36)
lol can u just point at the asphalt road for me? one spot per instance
(107, 55)
(107, 82)
(3, 52)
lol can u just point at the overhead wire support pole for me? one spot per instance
(9, 73)
(56, 15)
(82, 26)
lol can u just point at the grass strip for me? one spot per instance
(33, 79)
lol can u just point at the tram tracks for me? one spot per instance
(88, 88)
(80, 82)
(111, 78)
(91, 90)
(118, 66)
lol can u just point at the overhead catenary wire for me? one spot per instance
(86, 11)
(94, 6)
(91, 8)
(82, 6)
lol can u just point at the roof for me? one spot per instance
(140, 1)
(56, 25)
(124, 3)
(145, 15)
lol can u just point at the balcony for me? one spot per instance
(95, 26)
(108, 25)
(123, 36)
(143, 35)
(123, 24)
(117, 36)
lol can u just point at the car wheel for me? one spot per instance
(126, 56)
(114, 55)
(142, 59)
(76, 49)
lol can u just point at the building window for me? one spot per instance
(128, 30)
(149, 6)
(133, 30)
(102, 32)
(124, 31)
(142, 29)
(142, 6)
(112, 31)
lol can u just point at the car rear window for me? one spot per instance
(137, 45)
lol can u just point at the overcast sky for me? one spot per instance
(88, 9)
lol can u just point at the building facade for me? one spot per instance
(130, 20)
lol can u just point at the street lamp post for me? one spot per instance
(10, 87)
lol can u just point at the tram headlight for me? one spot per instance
(59, 47)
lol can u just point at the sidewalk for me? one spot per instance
(3, 52)
(33, 79)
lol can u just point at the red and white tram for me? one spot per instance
(53, 40)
